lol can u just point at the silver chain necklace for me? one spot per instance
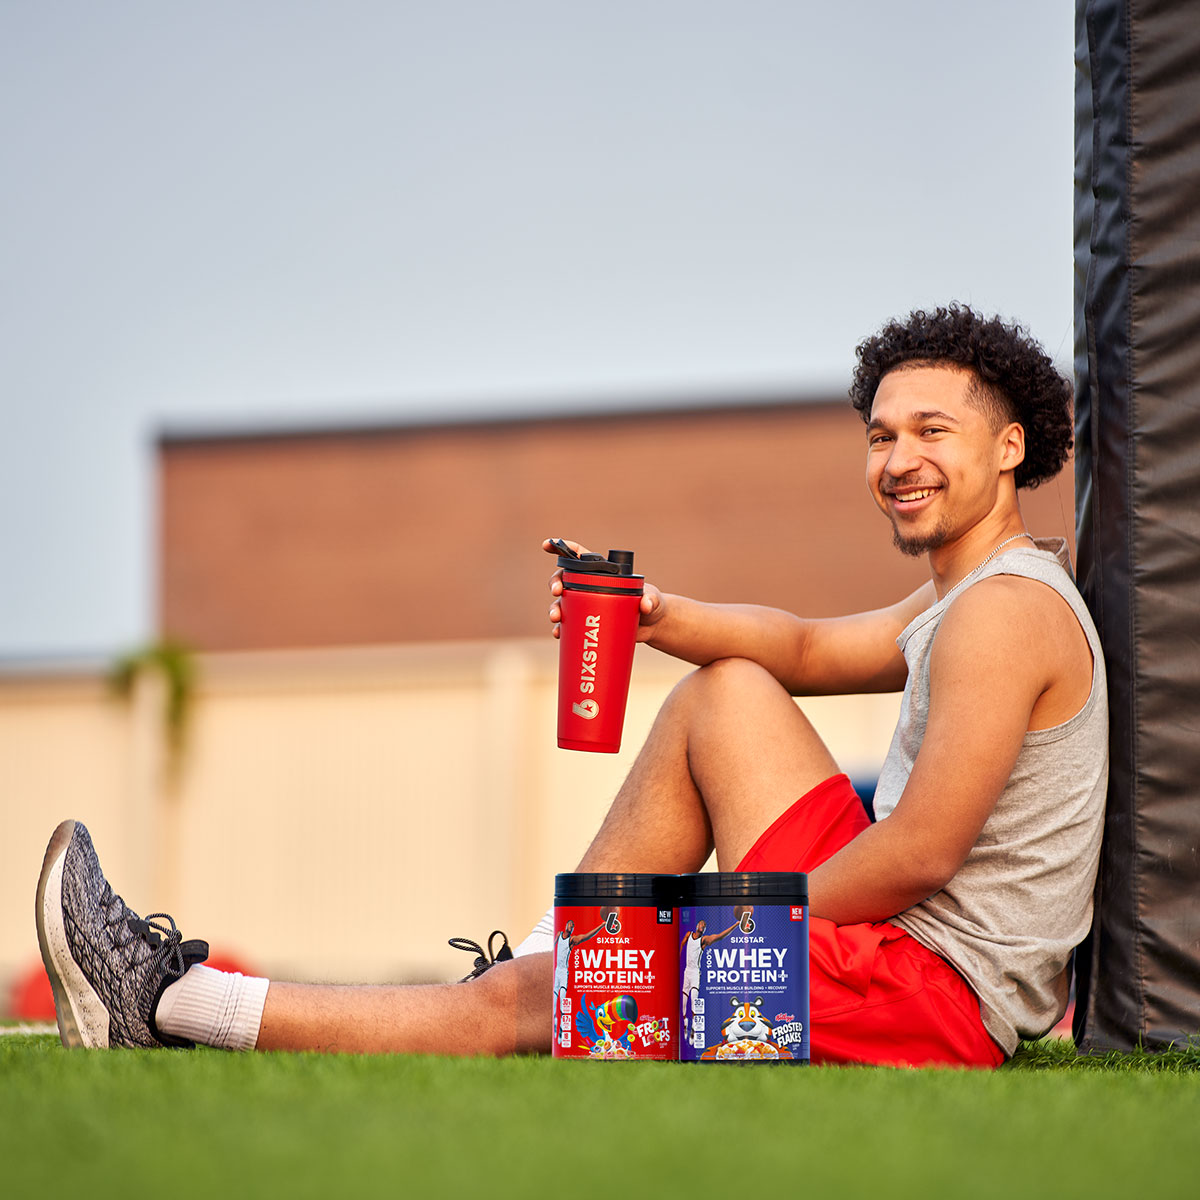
(995, 550)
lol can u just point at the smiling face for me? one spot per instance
(938, 462)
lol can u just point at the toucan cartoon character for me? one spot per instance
(607, 1021)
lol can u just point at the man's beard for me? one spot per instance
(914, 545)
(920, 544)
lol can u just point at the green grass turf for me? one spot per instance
(147, 1123)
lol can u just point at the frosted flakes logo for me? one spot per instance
(587, 709)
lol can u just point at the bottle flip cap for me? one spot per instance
(618, 562)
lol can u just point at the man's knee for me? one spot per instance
(738, 672)
(736, 677)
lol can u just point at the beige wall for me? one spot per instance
(340, 813)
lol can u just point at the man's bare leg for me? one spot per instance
(504, 1011)
(729, 752)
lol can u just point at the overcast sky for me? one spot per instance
(244, 212)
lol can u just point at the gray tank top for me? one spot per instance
(1022, 900)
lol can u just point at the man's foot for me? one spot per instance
(107, 966)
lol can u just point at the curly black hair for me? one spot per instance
(1014, 377)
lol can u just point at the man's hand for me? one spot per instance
(651, 606)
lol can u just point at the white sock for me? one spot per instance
(214, 1008)
(540, 939)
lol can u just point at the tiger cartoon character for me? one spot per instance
(747, 1034)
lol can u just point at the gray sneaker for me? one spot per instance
(107, 966)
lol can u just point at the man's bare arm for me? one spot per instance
(829, 656)
(809, 656)
(982, 696)
(580, 938)
(708, 939)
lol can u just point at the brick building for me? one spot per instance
(426, 532)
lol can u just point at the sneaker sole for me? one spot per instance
(81, 1014)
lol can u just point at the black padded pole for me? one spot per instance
(1137, 363)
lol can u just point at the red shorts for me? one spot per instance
(876, 994)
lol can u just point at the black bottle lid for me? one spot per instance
(618, 562)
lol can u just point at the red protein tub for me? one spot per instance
(616, 967)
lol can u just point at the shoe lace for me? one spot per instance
(148, 941)
(485, 959)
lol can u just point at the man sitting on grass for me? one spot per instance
(941, 932)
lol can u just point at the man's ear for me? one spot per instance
(1012, 447)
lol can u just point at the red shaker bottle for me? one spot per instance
(601, 600)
